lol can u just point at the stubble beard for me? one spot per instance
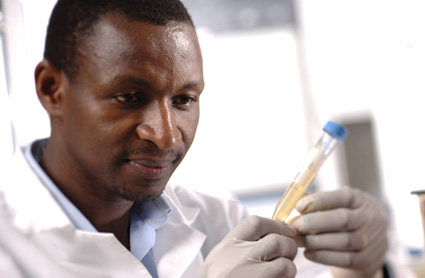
(128, 195)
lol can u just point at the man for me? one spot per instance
(121, 82)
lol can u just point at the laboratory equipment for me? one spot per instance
(332, 134)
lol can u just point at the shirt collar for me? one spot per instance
(155, 213)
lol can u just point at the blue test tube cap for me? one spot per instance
(335, 130)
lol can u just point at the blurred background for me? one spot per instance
(276, 71)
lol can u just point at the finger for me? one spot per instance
(335, 241)
(346, 197)
(337, 220)
(274, 246)
(355, 260)
(300, 240)
(278, 268)
(253, 228)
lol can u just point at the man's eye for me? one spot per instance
(183, 100)
(128, 98)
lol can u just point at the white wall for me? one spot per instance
(6, 138)
(26, 22)
(368, 58)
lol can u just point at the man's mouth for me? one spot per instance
(149, 168)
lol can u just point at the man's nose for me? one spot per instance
(159, 126)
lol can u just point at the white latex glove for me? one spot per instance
(346, 228)
(257, 247)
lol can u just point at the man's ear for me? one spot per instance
(51, 84)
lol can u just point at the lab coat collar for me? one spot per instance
(31, 200)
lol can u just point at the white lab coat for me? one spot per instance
(37, 239)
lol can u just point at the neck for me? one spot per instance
(108, 217)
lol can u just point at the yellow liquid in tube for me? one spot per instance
(299, 185)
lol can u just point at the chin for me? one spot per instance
(145, 195)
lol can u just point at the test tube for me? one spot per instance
(332, 134)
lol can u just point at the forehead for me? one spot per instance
(114, 38)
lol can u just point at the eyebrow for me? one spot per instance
(193, 85)
(132, 81)
(146, 84)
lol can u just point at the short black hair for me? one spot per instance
(72, 19)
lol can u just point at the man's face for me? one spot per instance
(132, 109)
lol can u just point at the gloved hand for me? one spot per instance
(257, 247)
(346, 229)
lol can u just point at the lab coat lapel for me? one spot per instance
(29, 198)
(178, 244)
(92, 254)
